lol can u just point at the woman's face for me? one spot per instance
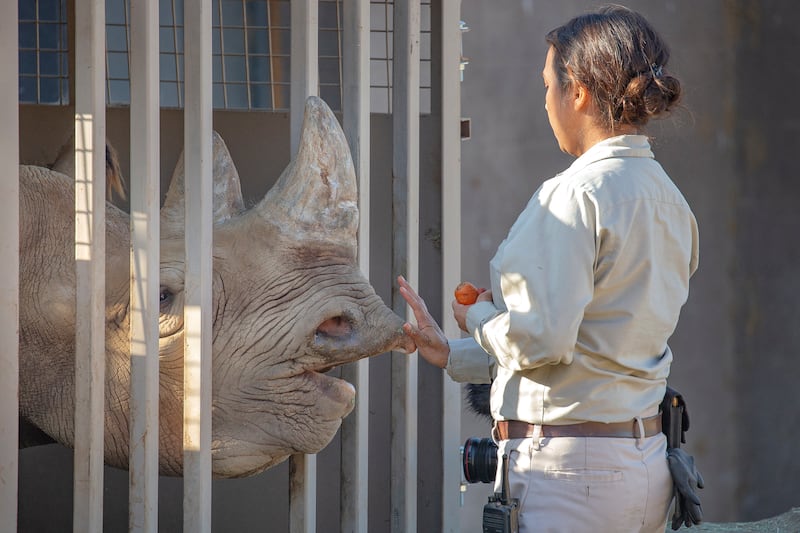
(560, 111)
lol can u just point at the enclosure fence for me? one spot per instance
(90, 104)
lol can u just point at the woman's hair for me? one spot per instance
(621, 60)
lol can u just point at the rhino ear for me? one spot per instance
(227, 191)
(65, 163)
(65, 160)
(316, 197)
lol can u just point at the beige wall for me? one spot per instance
(249, 136)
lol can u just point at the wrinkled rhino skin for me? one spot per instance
(289, 303)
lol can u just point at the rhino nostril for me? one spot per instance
(337, 326)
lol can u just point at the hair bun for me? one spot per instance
(650, 94)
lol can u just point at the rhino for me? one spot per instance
(289, 303)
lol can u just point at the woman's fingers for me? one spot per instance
(417, 304)
(410, 295)
(430, 341)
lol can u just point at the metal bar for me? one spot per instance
(451, 253)
(176, 44)
(304, 59)
(198, 235)
(354, 480)
(405, 173)
(302, 493)
(90, 193)
(304, 83)
(144, 293)
(9, 271)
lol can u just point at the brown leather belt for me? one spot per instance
(515, 429)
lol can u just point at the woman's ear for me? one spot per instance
(581, 99)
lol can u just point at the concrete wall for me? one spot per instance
(731, 151)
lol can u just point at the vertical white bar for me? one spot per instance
(451, 254)
(303, 493)
(198, 235)
(304, 60)
(405, 171)
(354, 481)
(304, 83)
(9, 268)
(145, 200)
(90, 240)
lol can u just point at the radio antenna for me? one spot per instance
(505, 490)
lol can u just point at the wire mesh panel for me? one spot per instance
(330, 52)
(250, 53)
(43, 61)
(382, 54)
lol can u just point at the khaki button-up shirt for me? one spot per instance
(587, 289)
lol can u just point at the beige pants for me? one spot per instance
(589, 484)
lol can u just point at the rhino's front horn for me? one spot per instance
(316, 196)
(227, 191)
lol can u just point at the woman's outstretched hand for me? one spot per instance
(427, 335)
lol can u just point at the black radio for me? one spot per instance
(501, 514)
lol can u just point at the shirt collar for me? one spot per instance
(619, 146)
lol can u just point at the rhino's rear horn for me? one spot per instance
(228, 200)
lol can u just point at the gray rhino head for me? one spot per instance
(289, 303)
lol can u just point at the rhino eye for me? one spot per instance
(165, 299)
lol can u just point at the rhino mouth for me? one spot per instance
(338, 391)
(335, 339)
(331, 340)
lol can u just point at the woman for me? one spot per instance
(585, 291)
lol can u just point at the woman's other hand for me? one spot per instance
(460, 310)
(427, 335)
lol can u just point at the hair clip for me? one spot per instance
(657, 70)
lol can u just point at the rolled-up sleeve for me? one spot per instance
(546, 280)
(469, 363)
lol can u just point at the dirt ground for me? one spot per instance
(788, 522)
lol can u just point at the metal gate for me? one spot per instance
(90, 106)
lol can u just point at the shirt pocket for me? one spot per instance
(584, 476)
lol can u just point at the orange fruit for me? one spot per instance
(466, 293)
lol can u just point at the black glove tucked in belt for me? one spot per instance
(686, 480)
